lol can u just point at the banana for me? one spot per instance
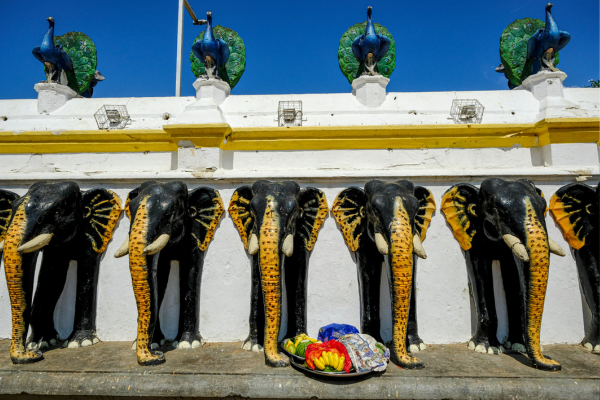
(318, 363)
(341, 363)
(336, 360)
(325, 358)
(299, 338)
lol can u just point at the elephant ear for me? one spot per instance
(575, 209)
(6, 201)
(313, 210)
(239, 209)
(349, 212)
(101, 211)
(459, 206)
(206, 210)
(426, 209)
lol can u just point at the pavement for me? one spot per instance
(218, 370)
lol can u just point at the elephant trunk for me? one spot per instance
(400, 271)
(270, 268)
(15, 270)
(140, 276)
(539, 262)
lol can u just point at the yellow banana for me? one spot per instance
(318, 363)
(336, 360)
(340, 366)
(299, 339)
(325, 358)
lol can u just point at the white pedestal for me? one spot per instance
(370, 90)
(52, 96)
(210, 93)
(213, 89)
(547, 88)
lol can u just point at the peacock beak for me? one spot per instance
(50, 19)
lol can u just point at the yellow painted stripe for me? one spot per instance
(554, 130)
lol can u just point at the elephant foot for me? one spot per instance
(484, 345)
(283, 361)
(82, 338)
(189, 340)
(150, 358)
(251, 344)
(546, 364)
(591, 342)
(50, 340)
(26, 356)
(518, 347)
(415, 344)
(408, 362)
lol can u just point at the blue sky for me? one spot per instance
(291, 47)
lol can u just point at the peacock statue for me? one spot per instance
(528, 46)
(218, 53)
(69, 59)
(367, 49)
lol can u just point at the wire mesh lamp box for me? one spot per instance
(466, 111)
(112, 117)
(289, 113)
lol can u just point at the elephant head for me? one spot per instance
(276, 221)
(168, 223)
(499, 218)
(67, 225)
(394, 217)
(575, 209)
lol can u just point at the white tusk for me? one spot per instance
(554, 248)
(516, 246)
(253, 245)
(382, 245)
(1, 246)
(36, 243)
(418, 247)
(288, 245)
(157, 245)
(124, 249)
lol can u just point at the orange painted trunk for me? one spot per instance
(270, 264)
(401, 264)
(539, 262)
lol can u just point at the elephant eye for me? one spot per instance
(193, 212)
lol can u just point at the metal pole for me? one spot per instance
(179, 49)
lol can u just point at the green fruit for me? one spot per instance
(291, 348)
(301, 349)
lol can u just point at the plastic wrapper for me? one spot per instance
(335, 331)
(364, 351)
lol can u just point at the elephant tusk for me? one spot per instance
(418, 247)
(554, 248)
(124, 249)
(382, 245)
(157, 245)
(516, 246)
(36, 243)
(253, 245)
(288, 245)
(1, 246)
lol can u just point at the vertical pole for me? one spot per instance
(179, 49)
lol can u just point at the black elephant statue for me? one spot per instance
(504, 221)
(168, 223)
(279, 224)
(66, 224)
(575, 209)
(387, 222)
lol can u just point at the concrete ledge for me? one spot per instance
(219, 370)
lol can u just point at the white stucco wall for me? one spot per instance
(443, 302)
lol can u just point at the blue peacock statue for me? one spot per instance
(73, 54)
(370, 47)
(212, 52)
(528, 46)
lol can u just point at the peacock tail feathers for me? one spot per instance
(82, 51)
(350, 66)
(236, 64)
(513, 48)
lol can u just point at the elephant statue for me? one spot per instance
(574, 208)
(279, 224)
(65, 224)
(504, 221)
(168, 223)
(387, 222)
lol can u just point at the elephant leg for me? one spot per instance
(514, 305)
(84, 329)
(587, 267)
(296, 271)
(20, 270)
(51, 282)
(190, 283)
(163, 270)
(369, 264)
(479, 269)
(255, 340)
(413, 341)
